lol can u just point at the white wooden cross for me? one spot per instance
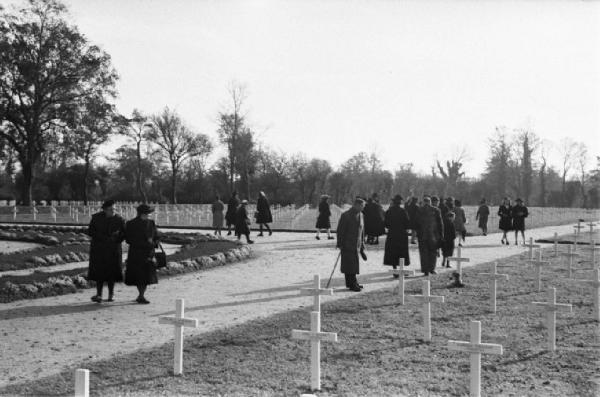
(315, 336)
(426, 300)
(591, 225)
(401, 274)
(538, 264)
(475, 348)
(551, 307)
(531, 246)
(179, 322)
(494, 276)
(595, 283)
(570, 254)
(578, 228)
(316, 292)
(82, 383)
(593, 247)
(458, 259)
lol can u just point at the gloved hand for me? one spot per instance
(363, 255)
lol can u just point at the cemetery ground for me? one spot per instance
(243, 345)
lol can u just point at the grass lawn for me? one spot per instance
(380, 351)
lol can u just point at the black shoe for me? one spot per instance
(229, 233)
(433, 272)
(355, 288)
(318, 238)
(426, 273)
(360, 286)
(250, 241)
(96, 299)
(396, 276)
(260, 235)
(270, 232)
(142, 300)
(110, 299)
(330, 238)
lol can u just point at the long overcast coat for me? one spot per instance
(263, 210)
(106, 256)
(396, 243)
(142, 237)
(350, 236)
(430, 234)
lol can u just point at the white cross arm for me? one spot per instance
(404, 272)
(459, 259)
(315, 291)
(310, 335)
(563, 307)
(496, 275)
(569, 254)
(430, 298)
(181, 322)
(487, 348)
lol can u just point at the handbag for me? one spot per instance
(160, 257)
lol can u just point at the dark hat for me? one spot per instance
(519, 200)
(108, 203)
(435, 198)
(144, 209)
(397, 199)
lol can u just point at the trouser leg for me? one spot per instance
(99, 285)
(111, 288)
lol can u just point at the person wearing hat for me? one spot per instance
(142, 236)
(374, 219)
(350, 241)
(505, 222)
(242, 221)
(460, 221)
(217, 208)
(396, 243)
(518, 213)
(107, 231)
(324, 218)
(430, 234)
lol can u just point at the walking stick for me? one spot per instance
(334, 266)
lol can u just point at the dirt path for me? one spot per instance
(44, 336)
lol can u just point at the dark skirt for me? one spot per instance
(396, 247)
(519, 224)
(483, 220)
(505, 224)
(448, 248)
(140, 270)
(323, 222)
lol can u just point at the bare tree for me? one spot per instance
(177, 143)
(231, 126)
(567, 150)
(544, 149)
(581, 154)
(527, 143)
(137, 129)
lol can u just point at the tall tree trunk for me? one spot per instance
(26, 192)
(174, 185)
(542, 202)
(86, 171)
(140, 187)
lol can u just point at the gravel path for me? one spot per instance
(45, 336)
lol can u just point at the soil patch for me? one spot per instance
(380, 352)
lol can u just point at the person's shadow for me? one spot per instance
(44, 311)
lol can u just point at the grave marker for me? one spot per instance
(578, 228)
(401, 273)
(570, 254)
(531, 246)
(494, 277)
(82, 383)
(538, 265)
(316, 292)
(595, 283)
(458, 259)
(315, 336)
(426, 300)
(476, 349)
(591, 225)
(551, 307)
(179, 322)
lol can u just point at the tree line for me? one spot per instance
(57, 93)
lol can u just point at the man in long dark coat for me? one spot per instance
(142, 236)
(107, 231)
(241, 222)
(232, 206)
(374, 220)
(396, 244)
(430, 234)
(350, 235)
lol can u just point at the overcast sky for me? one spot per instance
(409, 80)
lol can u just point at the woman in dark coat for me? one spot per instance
(142, 236)
(374, 220)
(505, 223)
(107, 231)
(449, 237)
(242, 221)
(518, 213)
(232, 206)
(323, 220)
(396, 243)
(263, 214)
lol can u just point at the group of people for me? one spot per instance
(107, 231)
(436, 224)
(236, 216)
